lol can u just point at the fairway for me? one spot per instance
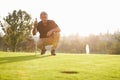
(27, 66)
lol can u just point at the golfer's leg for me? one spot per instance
(40, 44)
(56, 38)
(54, 45)
(55, 42)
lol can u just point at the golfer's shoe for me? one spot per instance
(43, 52)
(53, 52)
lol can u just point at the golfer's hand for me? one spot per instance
(49, 33)
(35, 24)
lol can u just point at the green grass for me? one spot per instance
(24, 66)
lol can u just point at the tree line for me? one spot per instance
(102, 43)
(17, 27)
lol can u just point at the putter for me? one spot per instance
(35, 39)
(35, 44)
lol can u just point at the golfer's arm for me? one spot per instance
(34, 31)
(56, 30)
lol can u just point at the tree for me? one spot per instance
(115, 48)
(28, 45)
(17, 27)
(117, 36)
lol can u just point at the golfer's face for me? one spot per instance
(43, 17)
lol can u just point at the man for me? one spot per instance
(49, 33)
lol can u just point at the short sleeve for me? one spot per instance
(53, 24)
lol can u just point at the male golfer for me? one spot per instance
(49, 33)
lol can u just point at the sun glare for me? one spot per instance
(83, 17)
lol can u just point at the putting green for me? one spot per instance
(27, 66)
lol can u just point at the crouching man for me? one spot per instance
(49, 33)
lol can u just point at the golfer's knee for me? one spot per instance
(39, 46)
(54, 46)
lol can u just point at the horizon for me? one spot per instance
(83, 17)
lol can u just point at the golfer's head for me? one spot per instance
(43, 16)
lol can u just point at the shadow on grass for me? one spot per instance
(69, 72)
(4, 60)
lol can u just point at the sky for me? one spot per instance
(73, 16)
